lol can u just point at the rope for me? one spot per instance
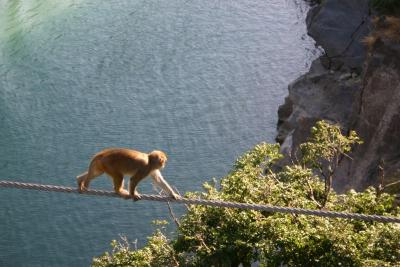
(217, 203)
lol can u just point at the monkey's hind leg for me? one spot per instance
(85, 178)
(135, 179)
(118, 182)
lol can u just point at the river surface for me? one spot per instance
(201, 80)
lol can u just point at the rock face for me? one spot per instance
(319, 94)
(329, 90)
(347, 87)
(377, 121)
(339, 26)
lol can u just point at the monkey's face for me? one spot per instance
(163, 161)
(159, 157)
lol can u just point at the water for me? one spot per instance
(201, 80)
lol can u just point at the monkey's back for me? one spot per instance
(125, 161)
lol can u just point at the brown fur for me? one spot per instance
(118, 162)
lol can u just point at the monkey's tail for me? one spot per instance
(92, 165)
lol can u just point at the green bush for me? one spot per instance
(158, 252)
(212, 236)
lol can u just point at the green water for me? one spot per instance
(201, 80)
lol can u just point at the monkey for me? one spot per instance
(118, 162)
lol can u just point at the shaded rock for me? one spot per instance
(345, 76)
(319, 94)
(328, 90)
(339, 26)
(377, 121)
(335, 91)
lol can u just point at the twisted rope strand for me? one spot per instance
(217, 203)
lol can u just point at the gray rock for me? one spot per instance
(345, 76)
(334, 90)
(339, 26)
(319, 94)
(377, 121)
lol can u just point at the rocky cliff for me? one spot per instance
(356, 84)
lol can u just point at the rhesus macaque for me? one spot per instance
(118, 162)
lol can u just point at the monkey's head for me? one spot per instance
(158, 159)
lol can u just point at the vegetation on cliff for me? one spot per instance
(387, 6)
(211, 236)
(386, 27)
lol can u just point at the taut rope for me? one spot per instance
(218, 203)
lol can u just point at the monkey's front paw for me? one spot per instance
(81, 189)
(137, 197)
(176, 196)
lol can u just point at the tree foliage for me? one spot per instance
(327, 146)
(212, 236)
